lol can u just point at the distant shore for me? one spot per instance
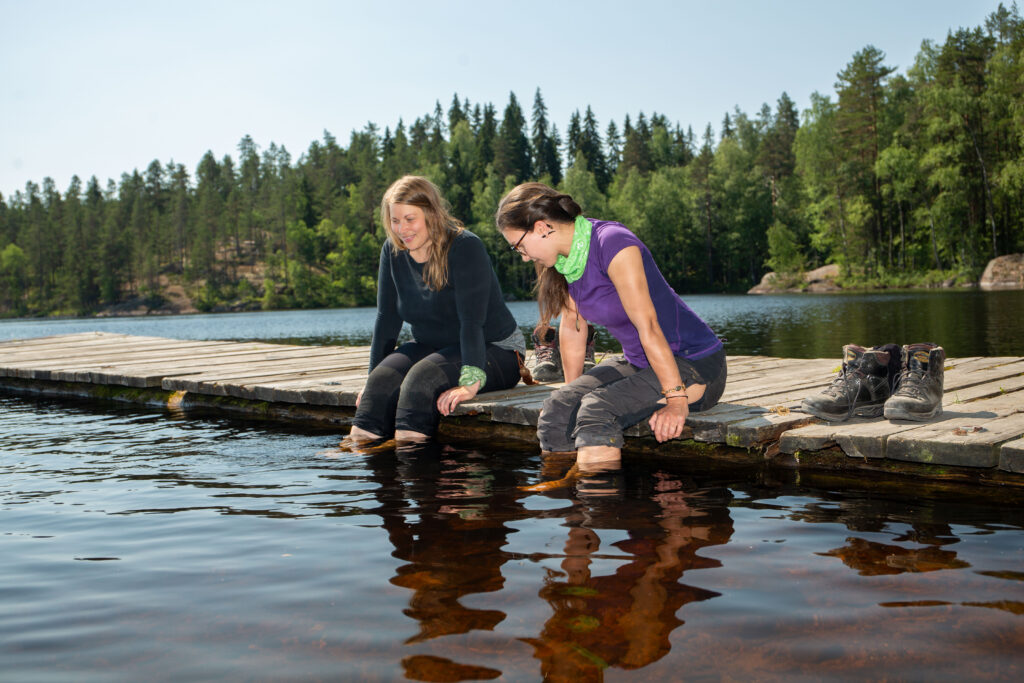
(1003, 272)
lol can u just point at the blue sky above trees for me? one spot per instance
(105, 87)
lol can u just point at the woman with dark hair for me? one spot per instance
(598, 271)
(436, 276)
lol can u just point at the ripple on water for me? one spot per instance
(140, 547)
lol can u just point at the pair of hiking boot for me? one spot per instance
(547, 361)
(903, 383)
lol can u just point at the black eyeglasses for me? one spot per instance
(515, 247)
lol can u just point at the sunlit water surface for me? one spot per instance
(142, 545)
(145, 546)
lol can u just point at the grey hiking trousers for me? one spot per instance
(615, 394)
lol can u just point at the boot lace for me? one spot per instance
(847, 383)
(910, 383)
(543, 353)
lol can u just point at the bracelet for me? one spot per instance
(667, 397)
(680, 387)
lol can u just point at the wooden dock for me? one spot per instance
(982, 424)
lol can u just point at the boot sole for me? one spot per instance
(900, 414)
(863, 411)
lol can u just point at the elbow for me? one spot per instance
(648, 326)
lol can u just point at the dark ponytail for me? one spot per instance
(520, 209)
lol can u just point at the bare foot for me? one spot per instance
(599, 458)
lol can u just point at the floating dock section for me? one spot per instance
(981, 426)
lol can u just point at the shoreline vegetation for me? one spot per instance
(900, 178)
(1006, 272)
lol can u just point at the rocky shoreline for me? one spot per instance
(1003, 272)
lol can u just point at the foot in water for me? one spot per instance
(570, 478)
(350, 445)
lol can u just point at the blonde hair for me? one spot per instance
(523, 206)
(442, 227)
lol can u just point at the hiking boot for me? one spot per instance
(588, 358)
(862, 386)
(547, 363)
(918, 394)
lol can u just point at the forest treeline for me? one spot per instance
(898, 177)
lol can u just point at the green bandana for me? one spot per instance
(572, 266)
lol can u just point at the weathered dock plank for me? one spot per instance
(1011, 456)
(67, 362)
(869, 440)
(99, 346)
(78, 337)
(337, 392)
(778, 377)
(760, 406)
(969, 436)
(965, 384)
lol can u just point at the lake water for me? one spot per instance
(964, 322)
(145, 545)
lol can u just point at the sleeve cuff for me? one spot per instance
(471, 375)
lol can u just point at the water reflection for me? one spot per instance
(620, 614)
(446, 517)
(871, 558)
(964, 322)
(449, 513)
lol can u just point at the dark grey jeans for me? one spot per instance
(402, 391)
(595, 408)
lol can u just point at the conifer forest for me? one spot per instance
(901, 178)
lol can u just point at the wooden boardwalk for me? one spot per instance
(982, 424)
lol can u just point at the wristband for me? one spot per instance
(470, 375)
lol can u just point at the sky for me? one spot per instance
(101, 88)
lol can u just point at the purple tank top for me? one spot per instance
(688, 336)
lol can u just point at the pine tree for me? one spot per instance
(860, 89)
(511, 147)
(636, 153)
(544, 146)
(592, 148)
(700, 176)
(776, 157)
(573, 138)
(455, 113)
(727, 128)
(487, 133)
(613, 143)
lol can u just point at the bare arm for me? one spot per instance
(572, 342)
(626, 272)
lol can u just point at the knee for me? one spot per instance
(561, 399)
(555, 413)
(424, 379)
(383, 378)
(596, 408)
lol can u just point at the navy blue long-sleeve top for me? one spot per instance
(469, 311)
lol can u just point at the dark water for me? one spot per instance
(142, 545)
(965, 322)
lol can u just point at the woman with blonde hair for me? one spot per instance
(436, 276)
(599, 272)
